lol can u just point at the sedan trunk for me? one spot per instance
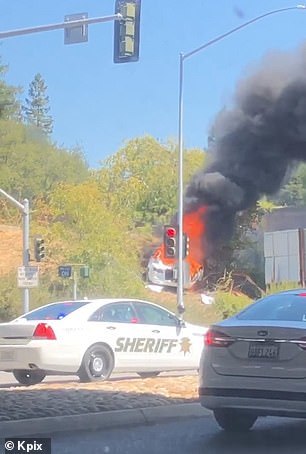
(260, 349)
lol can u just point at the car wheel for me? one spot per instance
(29, 377)
(97, 364)
(234, 420)
(148, 374)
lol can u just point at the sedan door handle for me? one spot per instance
(155, 331)
(110, 327)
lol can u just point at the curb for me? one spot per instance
(95, 421)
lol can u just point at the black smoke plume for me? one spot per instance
(257, 142)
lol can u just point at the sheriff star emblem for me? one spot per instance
(185, 345)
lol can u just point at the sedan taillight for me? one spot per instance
(44, 331)
(301, 343)
(214, 338)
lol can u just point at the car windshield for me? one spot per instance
(55, 311)
(285, 307)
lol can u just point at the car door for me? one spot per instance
(117, 325)
(170, 343)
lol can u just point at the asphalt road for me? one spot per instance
(194, 436)
(8, 380)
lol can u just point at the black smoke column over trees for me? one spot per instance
(257, 142)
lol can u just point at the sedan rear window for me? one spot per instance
(286, 307)
(55, 311)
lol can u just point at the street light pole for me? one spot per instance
(183, 57)
(24, 208)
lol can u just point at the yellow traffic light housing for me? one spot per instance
(127, 31)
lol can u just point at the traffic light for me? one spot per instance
(127, 31)
(170, 241)
(39, 249)
(186, 245)
(84, 271)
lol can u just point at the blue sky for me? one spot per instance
(98, 105)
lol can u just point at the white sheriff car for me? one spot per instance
(254, 364)
(93, 338)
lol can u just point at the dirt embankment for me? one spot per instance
(10, 248)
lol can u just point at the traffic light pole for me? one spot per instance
(24, 208)
(61, 25)
(183, 57)
(180, 275)
(26, 251)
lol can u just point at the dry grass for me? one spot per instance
(10, 248)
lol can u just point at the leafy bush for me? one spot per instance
(280, 287)
(228, 304)
(10, 298)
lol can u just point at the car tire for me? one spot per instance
(148, 374)
(28, 377)
(97, 364)
(234, 420)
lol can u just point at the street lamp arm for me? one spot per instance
(11, 199)
(230, 32)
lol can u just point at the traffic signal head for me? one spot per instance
(186, 246)
(39, 249)
(170, 241)
(84, 271)
(127, 31)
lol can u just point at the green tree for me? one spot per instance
(33, 165)
(244, 252)
(8, 102)
(79, 228)
(294, 192)
(36, 108)
(140, 183)
(140, 180)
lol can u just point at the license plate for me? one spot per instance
(7, 356)
(263, 351)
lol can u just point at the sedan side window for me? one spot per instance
(153, 315)
(116, 313)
